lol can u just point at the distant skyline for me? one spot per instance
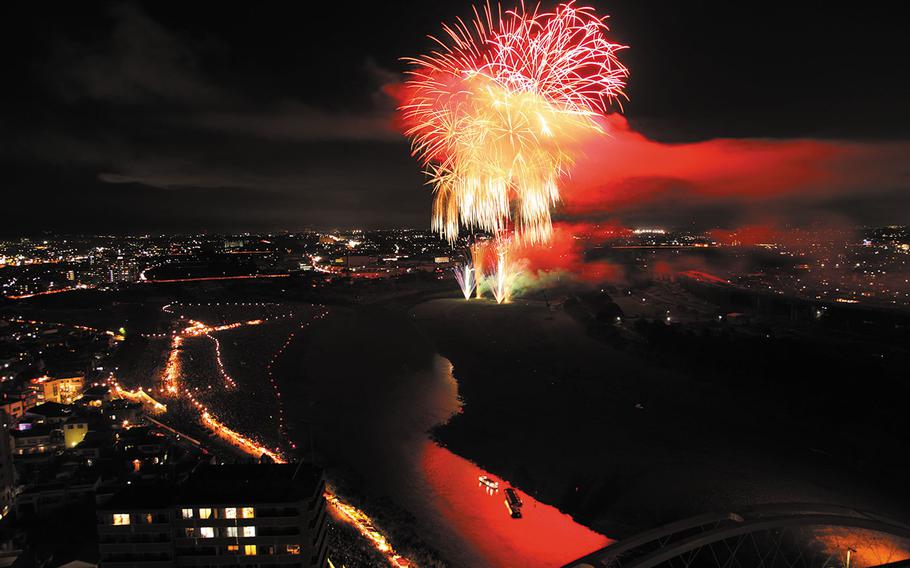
(147, 117)
(713, 232)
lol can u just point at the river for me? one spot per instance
(369, 389)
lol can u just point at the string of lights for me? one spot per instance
(349, 514)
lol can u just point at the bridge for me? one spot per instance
(762, 536)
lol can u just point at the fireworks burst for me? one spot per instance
(494, 112)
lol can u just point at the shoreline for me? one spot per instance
(421, 402)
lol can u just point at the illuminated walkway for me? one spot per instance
(173, 387)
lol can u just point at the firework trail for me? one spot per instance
(494, 267)
(465, 275)
(495, 111)
(470, 275)
(478, 250)
(504, 273)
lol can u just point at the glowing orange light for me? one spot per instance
(364, 525)
(351, 515)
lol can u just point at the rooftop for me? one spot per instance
(51, 410)
(256, 483)
(35, 430)
(96, 391)
(225, 484)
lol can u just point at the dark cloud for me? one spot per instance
(140, 115)
(298, 122)
(140, 120)
(140, 62)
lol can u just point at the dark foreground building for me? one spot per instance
(232, 515)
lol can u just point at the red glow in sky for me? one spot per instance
(624, 169)
(566, 249)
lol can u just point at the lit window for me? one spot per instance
(230, 513)
(187, 513)
(248, 512)
(249, 531)
(205, 513)
(230, 532)
(148, 518)
(233, 548)
(121, 518)
(249, 549)
(293, 549)
(207, 532)
(190, 532)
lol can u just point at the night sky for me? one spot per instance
(166, 116)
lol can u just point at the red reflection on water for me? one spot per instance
(543, 536)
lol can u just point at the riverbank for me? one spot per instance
(362, 392)
(619, 441)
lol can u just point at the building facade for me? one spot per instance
(230, 515)
(14, 407)
(7, 473)
(74, 431)
(40, 440)
(62, 390)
